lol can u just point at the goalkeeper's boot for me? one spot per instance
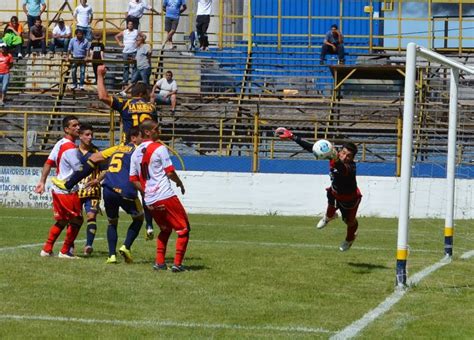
(60, 183)
(126, 254)
(346, 245)
(178, 269)
(112, 259)
(325, 220)
(149, 234)
(157, 266)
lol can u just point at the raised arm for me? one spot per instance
(101, 89)
(286, 134)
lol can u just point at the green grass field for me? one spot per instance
(249, 277)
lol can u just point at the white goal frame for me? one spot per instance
(413, 51)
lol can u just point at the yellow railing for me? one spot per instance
(254, 135)
(232, 24)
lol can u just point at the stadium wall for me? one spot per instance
(269, 194)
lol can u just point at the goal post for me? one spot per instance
(414, 51)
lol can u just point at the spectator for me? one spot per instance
(13, 36)
(143, 70)
(96, 53)
(61, 36)
(78, 49)
(37, 38)
(168, 89)
(84, 15)
(135, 11)
(129, 51)
(6, 62)
(33, 10)
(333, 44)
(173, 9)
(203, 18)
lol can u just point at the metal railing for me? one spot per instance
(233, 27)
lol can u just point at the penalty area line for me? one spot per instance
(357, 326)
(165, 323)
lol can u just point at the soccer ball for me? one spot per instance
(323, 149)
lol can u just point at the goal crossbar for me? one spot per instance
(413, 51)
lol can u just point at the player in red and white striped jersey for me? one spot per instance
(151, 170)
(65, 158)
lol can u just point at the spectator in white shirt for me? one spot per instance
(127, 39)
(84, 15)
(61, 36)
(135, 11)
(203, 18)
(168, 89)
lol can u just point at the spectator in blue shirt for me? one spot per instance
(333, 44)
(33, 10)
(173, 9)
(78, 49)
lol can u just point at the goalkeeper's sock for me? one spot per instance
(90, 231)
(112, 238)
(132, 233)
(181, 245)
(54, 232)
(352, 231)
(330, 211)
(87, 168)
(161, 243)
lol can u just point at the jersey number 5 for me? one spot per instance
(116, 162)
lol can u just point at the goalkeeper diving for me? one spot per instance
(343, 194)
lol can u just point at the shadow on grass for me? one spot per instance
(366, 267)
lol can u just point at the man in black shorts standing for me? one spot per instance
(173, 9)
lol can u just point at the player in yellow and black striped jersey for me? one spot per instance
(90, 190)
(132, 111)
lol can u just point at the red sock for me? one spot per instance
(352, 231)
(330, 211)
(161, 243)
(71, 234)
(54, 232)
(181, 245)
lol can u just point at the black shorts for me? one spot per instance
(171, 24)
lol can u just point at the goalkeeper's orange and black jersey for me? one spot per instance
(343, 177)
(90, 192)
(133, 111)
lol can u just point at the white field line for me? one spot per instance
(253, 226)
(165, 323)
(357, 326)
(467, 255)
(302, 245)
(236, 242)
(34, 245)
